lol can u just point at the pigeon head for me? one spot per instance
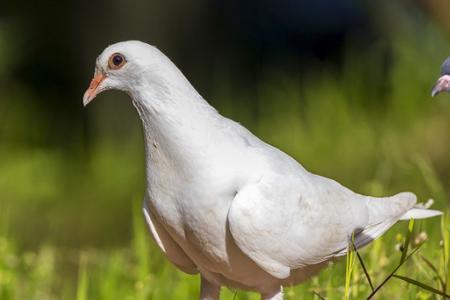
(126, 66)
(443, 83)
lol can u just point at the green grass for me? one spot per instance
(140, 272)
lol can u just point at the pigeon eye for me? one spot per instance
(116, 61)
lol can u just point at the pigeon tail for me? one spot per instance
(385, 212)
(389, 208)
(401, 206)
(419, 212)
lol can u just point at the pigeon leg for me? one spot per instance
(274, 295)
(209, 290)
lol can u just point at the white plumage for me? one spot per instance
(221, 202)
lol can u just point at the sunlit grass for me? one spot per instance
(140, 272)
(349, 263)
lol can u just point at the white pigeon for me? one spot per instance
(223, 203)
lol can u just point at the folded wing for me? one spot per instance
(285, 223)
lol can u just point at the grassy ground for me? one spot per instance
(70, 225)
(140, 272)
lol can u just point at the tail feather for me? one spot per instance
(385, 212)
(389, 208)
(420, 213)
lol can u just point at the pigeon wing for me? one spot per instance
(285, 223)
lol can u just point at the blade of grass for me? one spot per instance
(319, 295)
(422, 285)
(445, 232)
(82, 288)
(435, 270)
(407, 257)
(349, 267)
(407, 240)
(363, 266)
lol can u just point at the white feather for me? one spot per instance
(420, 213)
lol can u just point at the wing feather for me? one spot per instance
(285, 223)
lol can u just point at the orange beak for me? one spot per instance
(92, 90)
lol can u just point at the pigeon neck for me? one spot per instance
(171, 110)
(178, 125)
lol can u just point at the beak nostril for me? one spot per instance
(94, 83)
(93, 90)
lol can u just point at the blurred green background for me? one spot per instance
(343, 86)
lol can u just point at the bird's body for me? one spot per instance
(222, 203)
